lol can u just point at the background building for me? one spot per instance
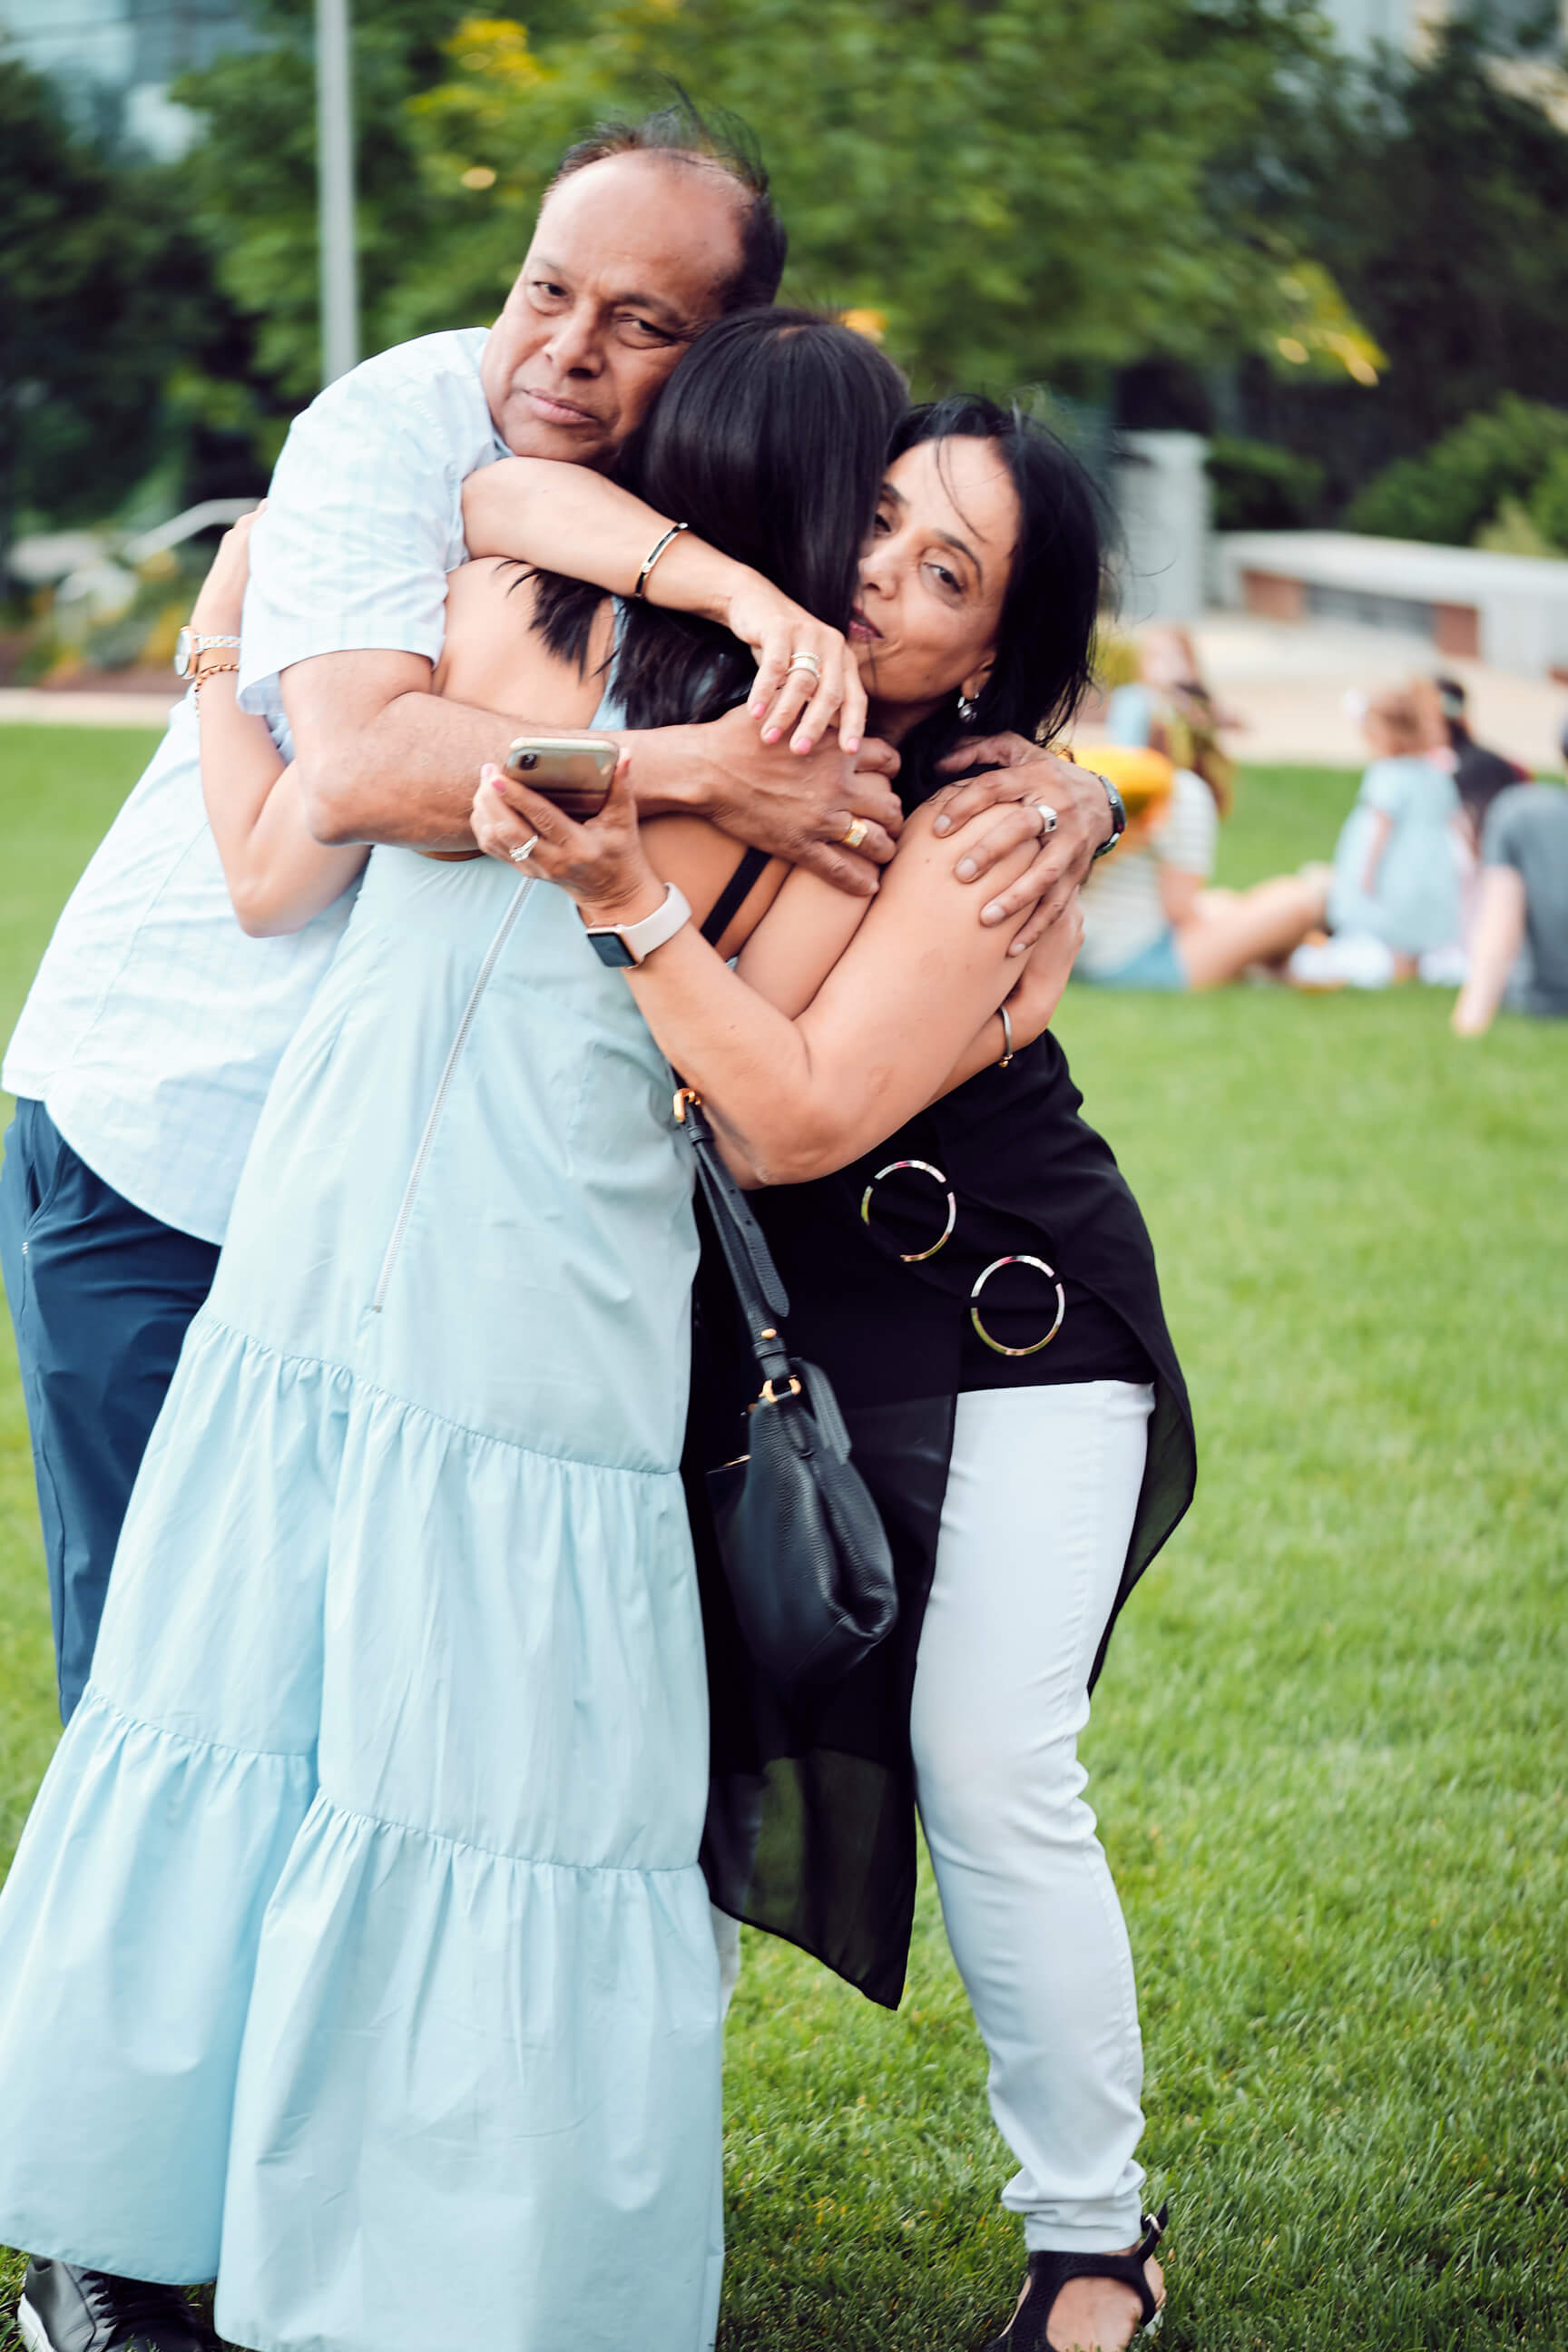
(113, 59)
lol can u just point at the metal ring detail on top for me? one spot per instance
(1021, 1258)
(914, 1258)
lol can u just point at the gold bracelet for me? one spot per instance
(1008, 1037)
(212, 670)
(649, 560)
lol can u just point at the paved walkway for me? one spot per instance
(1286, 680)
(34, 706)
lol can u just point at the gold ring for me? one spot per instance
(521, 855)
(805, 661)
(995, 1267)
(859, 829)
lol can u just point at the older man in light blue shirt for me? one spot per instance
(149, 1037)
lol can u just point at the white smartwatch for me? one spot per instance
(623, 944)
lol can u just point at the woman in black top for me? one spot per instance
(981, 1289)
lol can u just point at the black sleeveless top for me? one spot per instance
(810, 1829)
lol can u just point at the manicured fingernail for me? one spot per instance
(965, 869)
(1016, 947)
(755, 710)
(849, 743)
(800, 743)
(772, 734)
(942, 824)
(993, 913)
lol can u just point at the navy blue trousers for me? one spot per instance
(100, 1295)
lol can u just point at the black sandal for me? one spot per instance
(1029, 2329)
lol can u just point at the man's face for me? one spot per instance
(629, 260)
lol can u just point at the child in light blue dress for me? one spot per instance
(1398, 863)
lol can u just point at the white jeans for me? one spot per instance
(1039, 1507)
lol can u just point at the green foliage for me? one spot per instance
(1434, 188)
(1549, 505)
(251, 179)
(1016, 190)
(1259, 486)
(102, 288)
(1459, 485)
(1328, 1754)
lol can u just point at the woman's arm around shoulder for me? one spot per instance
(879, 1032)
(278, 875)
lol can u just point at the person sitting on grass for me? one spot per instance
(1150, 919)
(1478, 773)
(1519, 943)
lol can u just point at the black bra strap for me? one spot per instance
(734, 895)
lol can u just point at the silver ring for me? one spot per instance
(913, 1257)
(521, 857)
(805, 661)
(994, 1267)
(1048, 818)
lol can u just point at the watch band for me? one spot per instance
(188, 644)
(625, 945)
(1118, 817)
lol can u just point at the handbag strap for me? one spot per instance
(763, 1300)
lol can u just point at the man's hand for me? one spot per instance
(1023, 775)
(794, 806)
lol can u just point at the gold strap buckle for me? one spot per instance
(773, 1394)
(684, 1095)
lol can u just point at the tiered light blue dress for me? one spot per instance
(356, 1952)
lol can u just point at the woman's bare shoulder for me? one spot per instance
(493, 658)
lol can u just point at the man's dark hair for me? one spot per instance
(768, 440)
(717, 141)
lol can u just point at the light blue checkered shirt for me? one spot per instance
(154, 1024)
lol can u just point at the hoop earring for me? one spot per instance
(967, 706)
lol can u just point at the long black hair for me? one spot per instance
(769, 440)
(1045, 635)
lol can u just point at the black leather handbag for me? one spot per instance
(804, 1553)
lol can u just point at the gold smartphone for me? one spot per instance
(572, 771)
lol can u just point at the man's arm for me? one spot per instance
(1497, 935)
(381, 757)
(1025, 774)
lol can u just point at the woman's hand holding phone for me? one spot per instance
(600, 863)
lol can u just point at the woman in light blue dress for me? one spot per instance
(357, 1935)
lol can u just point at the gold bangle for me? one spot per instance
(1008, 1037)
(652, 557)
(212, 670)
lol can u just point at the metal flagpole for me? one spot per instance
(335, 184)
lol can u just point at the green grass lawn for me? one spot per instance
(1328, 1752)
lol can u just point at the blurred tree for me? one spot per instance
(103, 289)
(1018, 191)
(1434, 189)
(250, 180)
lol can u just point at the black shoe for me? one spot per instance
(64, 2309)
(1028, 2330)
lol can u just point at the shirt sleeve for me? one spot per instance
(1189, 834)
(1499, 833)
(363, 523)
(1386, 788)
